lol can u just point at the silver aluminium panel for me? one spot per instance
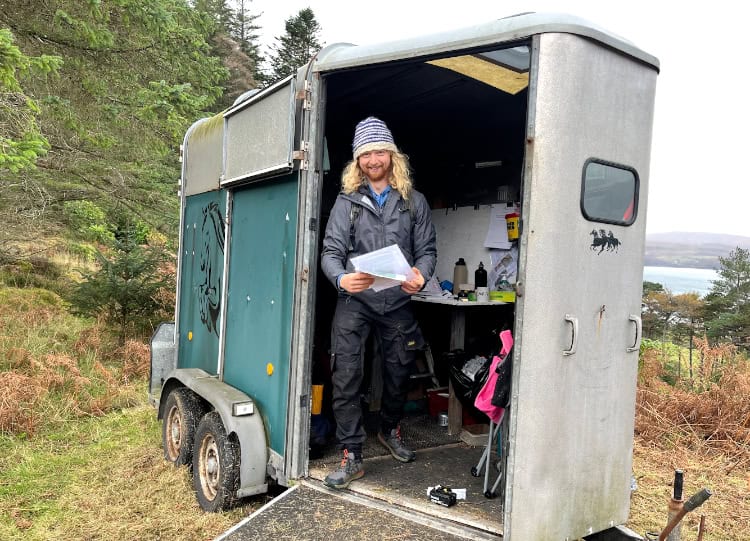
(572, 412)
(259, 134)
(202, 156)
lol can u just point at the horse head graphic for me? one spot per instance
(211, 252)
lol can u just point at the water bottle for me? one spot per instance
(480, 276)
(460, 275)
(480, 283)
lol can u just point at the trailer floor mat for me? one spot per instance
(418, 431)
(405, 485)
(305, 512)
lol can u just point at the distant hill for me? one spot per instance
(694, 250)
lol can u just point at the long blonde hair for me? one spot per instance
(353, 177)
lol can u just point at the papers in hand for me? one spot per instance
(388, 265)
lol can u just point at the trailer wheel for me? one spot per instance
(216, 465)
(182, 413)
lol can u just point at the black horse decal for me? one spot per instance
(604, 240)
(212, 238)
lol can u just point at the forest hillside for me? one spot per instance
(95, 98)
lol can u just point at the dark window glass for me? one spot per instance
(609, 193)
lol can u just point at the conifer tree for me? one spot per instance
(297, 46)
(133, 76)
(727, 307)
(245, 31)
(21, 142)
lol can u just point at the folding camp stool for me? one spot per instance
(485, 461)
(496, 414)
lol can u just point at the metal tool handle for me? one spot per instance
(697, 499)
(678, 480)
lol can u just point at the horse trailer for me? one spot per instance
(547, 115)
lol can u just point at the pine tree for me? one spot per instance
(727, 309)
(295, 48)
(218, 11)
(125, 287)
(232, 41)
(245, 31)
(21, 142)
(133, 76)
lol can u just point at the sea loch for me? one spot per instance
(681, 279)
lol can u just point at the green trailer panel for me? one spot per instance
(201, 271)
(259, 305)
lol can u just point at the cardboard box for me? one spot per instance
(475, 435)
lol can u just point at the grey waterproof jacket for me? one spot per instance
(406, 223)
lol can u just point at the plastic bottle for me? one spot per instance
(460, 275)
(480, 283)
(480, 276)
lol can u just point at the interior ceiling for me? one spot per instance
(420, 101)
(489, 73)
(446, 120)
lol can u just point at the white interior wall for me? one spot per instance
(461, 233)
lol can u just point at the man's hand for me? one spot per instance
(356, 282)
(415, 284)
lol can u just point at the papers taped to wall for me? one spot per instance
(497, 230)
(503, 271)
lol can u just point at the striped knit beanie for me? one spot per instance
(372, 134)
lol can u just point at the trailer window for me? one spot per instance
(609, 193)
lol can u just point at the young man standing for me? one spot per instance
(377, 207)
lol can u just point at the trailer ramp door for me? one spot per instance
(310, 511)
(576, 358)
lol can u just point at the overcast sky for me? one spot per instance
(702, 116)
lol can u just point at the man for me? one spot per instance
(377, 207)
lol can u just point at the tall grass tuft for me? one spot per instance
(55, 367)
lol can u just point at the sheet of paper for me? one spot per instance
(388, 265)
(497, 230)
(432, 289)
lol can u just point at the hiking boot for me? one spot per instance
(351, 468)
(393, 442)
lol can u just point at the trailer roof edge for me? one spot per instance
(516, 27)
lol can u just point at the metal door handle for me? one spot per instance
(638, 331)
(574, 340)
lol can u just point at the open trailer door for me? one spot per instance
(262, 181)
(575, 360)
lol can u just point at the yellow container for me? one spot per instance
(317, 399)
(503, 296)
(511, 222)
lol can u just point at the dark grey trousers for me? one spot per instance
(399, 338)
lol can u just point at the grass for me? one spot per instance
(727, 511)
(102, 478)
(81, 457)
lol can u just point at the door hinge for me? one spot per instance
(313, 224)
(303, 401)
(305, 95)
(301, 155)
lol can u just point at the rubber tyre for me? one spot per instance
(216, 465)
(182, 413)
